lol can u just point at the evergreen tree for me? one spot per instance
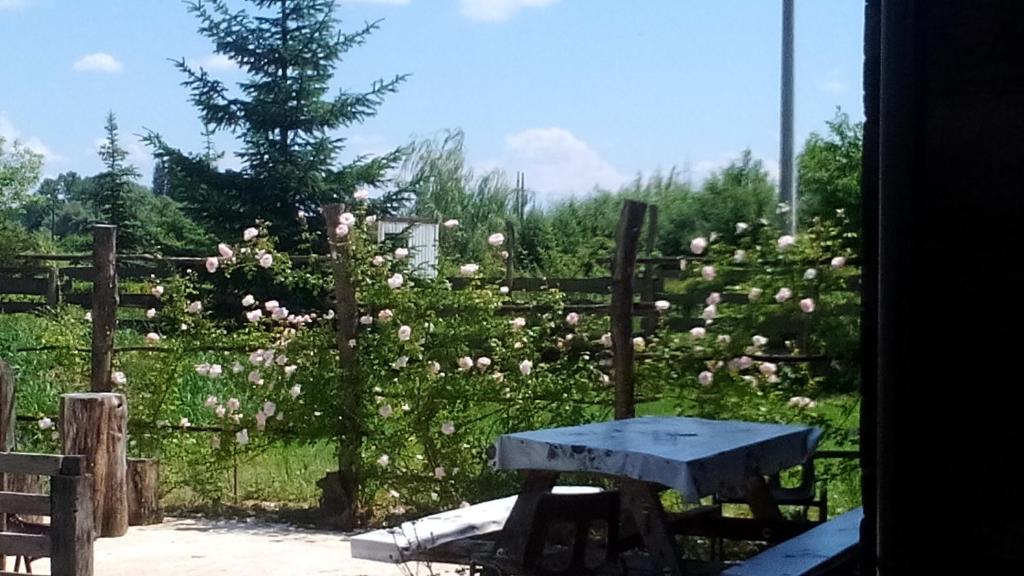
(115, 188)
(285, 119)
(161, 184)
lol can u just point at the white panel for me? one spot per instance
(422, 243)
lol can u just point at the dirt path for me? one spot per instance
(230, 548)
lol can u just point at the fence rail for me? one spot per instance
(68, 539)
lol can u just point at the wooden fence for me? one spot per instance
(68, 540)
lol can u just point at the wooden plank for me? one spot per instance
(87, 273)
(27, 286)
(626, 243)
(42, 464)
(814, 552)
(71, 526)
(104, 306)
(20, 307)
(31, 545)
(28, 504)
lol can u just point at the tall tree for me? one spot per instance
(161, 183)
(829, 178)
(283, 115)
(115, 188)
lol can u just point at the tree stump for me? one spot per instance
(144, 492)
(94, 424)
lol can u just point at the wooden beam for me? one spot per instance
(26, 504)
(31, 545)
(41, 464)
(623, 270)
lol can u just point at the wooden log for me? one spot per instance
(95, 425)
(144, 492)
(626, 242)
(104, 306)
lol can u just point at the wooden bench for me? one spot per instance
(420, 539)
(813, 552)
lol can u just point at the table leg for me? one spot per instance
(759, 497)
(641, 499)
(516, 533)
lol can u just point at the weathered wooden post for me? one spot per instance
(53, 286)
(143, 486)
(7, 428)
(510, 248)
(95, 425)
(341, 492)
(104, 305)
(71, 520)
(623, 269)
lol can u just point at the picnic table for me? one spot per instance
(696, 457)
(642, 457)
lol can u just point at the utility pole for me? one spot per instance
(787, 188)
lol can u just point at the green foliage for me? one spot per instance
(444, 187)
(829, 172)
(283, 116)
(19, 171)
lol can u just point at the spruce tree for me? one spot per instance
(283, 115)
(115, 187)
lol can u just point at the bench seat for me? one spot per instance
(810, 553)
(409, 540)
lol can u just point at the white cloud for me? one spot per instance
(217, 62)
(11, 134)
(498, 10)
(557, 163)
(98, 62)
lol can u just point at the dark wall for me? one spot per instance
(950, 191)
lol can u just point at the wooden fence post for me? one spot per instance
(95, 425)
(510, 247)
(623, 268)
(651, 269)
(104, 305)
(7, 428)
(53, 286)
(71, 521)
(341, 493)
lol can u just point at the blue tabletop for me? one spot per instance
(697, 457)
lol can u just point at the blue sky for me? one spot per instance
(575, 93)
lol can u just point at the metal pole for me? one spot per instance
(787, 192)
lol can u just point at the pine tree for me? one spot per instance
(283, 115)
(161, 184)
(115, 188)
